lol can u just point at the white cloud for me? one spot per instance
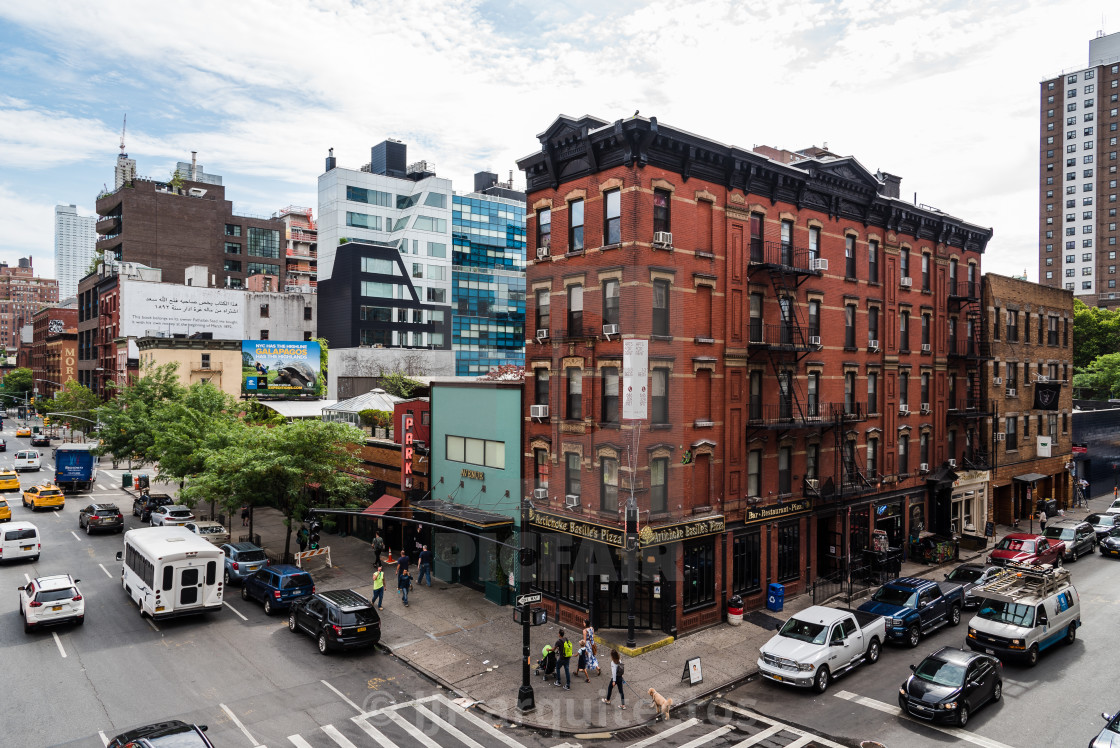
(30, 232)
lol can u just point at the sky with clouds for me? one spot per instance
(941, 92)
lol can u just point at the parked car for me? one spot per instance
(1077, 536)
(277, 587)
(9, 480)
(3, 446)
(915, 606)
(1109, 737)
(28, 459)
(170, 514)
(818, 644)
(100, 517)
(51, 601)
(951, 684)
(1114, 507)
(971, 576)
(143, 504)
(1102, 523)
(40, 440)
(172, 734)
(1110, 544)
(242, 559)
(46, 496)
(338, 619)
(1024, 548)
(215, 532)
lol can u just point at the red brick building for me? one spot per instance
(21, 296)
(814, 354)
(54, 348)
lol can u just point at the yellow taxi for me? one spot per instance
(9, 480)
(44, 497)
(5, 511)
(23, 431)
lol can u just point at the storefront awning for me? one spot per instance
(382, 505)
(1030, 477)
(466, 514)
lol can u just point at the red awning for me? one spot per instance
(382, 505)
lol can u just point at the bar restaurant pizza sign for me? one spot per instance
(786, 509)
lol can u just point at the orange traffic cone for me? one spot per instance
(391, 561)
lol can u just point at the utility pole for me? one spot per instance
(631, 553)
(526, 700)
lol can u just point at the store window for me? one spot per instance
(789, 551)
(745, 566)
(699, 573)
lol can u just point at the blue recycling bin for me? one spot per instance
(775, 597)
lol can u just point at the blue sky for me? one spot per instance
(942, 93)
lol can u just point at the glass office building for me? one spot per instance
(488, 277)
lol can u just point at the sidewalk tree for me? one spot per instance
(205, 418)
(129, 419)
(1101, 377)
(77, 400)
(19, 383)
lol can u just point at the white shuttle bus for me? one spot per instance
(170, 571)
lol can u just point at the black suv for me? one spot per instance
(143, 504)
(339, 619)
(172, 733)
(100, 517)
(40, 440)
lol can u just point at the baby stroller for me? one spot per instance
(547, 662)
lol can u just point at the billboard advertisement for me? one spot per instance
(280, 368)
(635, 379)
(167, 309)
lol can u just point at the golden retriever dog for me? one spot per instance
(660, 703)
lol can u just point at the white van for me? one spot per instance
(170, 571)
(20, 540)
(1025, 611)
(28, 459)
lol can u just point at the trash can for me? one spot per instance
(735, 610)
(775, 597)
(142, 481)
(126, 480)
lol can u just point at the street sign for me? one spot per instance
(532, 597)
(1080, 449)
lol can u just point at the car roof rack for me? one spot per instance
(1024, 580)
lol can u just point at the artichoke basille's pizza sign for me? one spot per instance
(280, 367)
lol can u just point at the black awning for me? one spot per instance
(1030, 477)
(461, 513)
(941, 475)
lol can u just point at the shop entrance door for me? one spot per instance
(610, 597)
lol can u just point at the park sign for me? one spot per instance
(408, 449)
(280, 368)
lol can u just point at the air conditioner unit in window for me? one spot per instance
(818, 264)
(538, 411)
(1042, 378)
(662, 239)
(542, 335)
(997, 381)
(924, 467)
(812, 484)
(1001, 436)
(952, 463)
(610, 329)
(571, 501)
(906, 282)
(542, 253)
(1011, 392)
(925, 348)
(903, 409)
(873, 345)
(540, 494)
(815, 340)
(925, 407)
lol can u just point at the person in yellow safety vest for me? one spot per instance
(378, 587)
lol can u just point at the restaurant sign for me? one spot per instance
(649, 535)
(778, 511)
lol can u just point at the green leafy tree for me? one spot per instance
(369, 418)
(79, 404)
(324, 349)
(398, 384)
(18, 383)
(204, 418)
(1101, 377)
(262, 415)
(129, 421)
(1096, 332)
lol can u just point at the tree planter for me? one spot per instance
(498, 593)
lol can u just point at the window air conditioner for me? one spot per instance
(818, 264)
(925, 407)
(925, 347)
(610, 329)
(906, 282)
(542, 252)
(662, 239)
(542, 335)
(815, 340)
(540, 494)
(812, 484)
(1042, 378)
(952, 463)
(1001, 436)
(997, 381)
(903, 409)
(538, 411)
(873, 345)
(571, 501)
(924, 467)
(1011, 392)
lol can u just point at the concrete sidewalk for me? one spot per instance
(472, 647)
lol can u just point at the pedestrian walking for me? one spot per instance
(244, 516)
(425, 564)
(378, 546)
(406, 584)
(591, 647)
(581, 664)
(379, 587)
(402, 569)
(617, 679)
(1042, 520)
(563, 649)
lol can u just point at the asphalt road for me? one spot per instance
(1056, 703)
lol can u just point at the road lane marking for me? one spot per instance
(713, 735)
(27, 577)
(75, 535)
(372, 731)
(411, 729)
(237, 722)
(480, 723)
(104, 738)
(106, 571)
(342, 696)
(758, 737)
(447, 726)
(955, 732)
(58, 641)
(671, 731)
(299, 742)
(788, 728)
(235, 610)
(152, 623)
(338, 737)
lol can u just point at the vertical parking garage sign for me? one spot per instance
(635, 379)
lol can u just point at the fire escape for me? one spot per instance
(969, 348)
(783, 346)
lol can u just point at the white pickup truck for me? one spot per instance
(819, 643)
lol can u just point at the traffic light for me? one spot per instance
(313, 538)
(46, 420)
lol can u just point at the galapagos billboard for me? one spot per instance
(280, 368)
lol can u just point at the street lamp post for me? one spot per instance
(526, 699)
(631, 552)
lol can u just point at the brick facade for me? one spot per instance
(54, 348)
(743, 505)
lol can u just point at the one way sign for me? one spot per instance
(532, 597)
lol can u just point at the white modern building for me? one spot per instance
(75, 238)
(1078, 177)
